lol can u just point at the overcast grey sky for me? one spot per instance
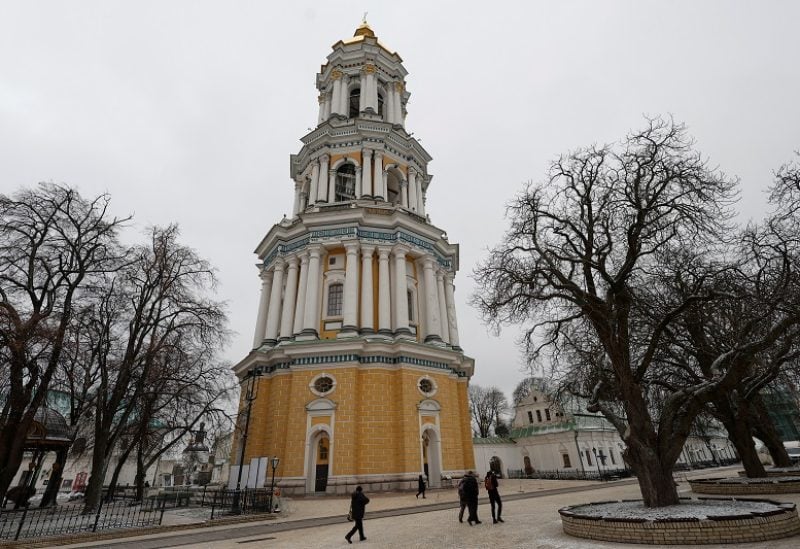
(188, 111)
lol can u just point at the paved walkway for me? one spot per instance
(398, 521)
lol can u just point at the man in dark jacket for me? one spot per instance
(358, 504)
(494, 496)
(471, 493)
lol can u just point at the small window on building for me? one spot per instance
(355, 102)
(611, 455)
(332, 261)
(323, 450)
(530, 416)
(426, 386)
(335, 298)
(380, 104)
(539, 416)
(535, 399)
(345, 183)
(547, 414)
(588, 458)
(567, 463)
(410, 297)
(323, 385)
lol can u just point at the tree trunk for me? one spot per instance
(112, 486)
(50, 496)
(94, 488)
(140, 472)
(643, 455)
(739, 435)
(764, 429)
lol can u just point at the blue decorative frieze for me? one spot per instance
(361, 234)
(369, 359)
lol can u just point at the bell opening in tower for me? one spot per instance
(345, 183)
(355, 103)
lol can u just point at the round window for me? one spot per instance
(323, 384)
(426, 386)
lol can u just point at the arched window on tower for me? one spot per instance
(380, 104)
(410, 298)
(355, 102)
(345, 183)
(335, 299)
(393, 187)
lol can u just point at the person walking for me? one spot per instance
(358, 504)
(491, 483)
(471, 493)
(462, 498)
(421, 487)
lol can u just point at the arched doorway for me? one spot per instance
(528, 465)
(432, 457)
(319, 460)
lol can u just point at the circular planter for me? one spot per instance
(738, 486)
(692, 522)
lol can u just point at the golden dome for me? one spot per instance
(364, 30)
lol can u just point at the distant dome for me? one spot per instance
(49, 428)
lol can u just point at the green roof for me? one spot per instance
(492, 440)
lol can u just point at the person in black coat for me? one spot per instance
(421, 487)
(358, 504)
(494, 496)
(471, 494)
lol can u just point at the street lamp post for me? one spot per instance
(250, 396)
(599, 457)
(275, 461)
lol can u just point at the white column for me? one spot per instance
(312, 194)
(377, 176)
(321, 100)
(345, 108)
(300, 306)
(401, 293)
(372, 88)
(322, 182)
(420, 198)
(287, 315)
(331, 186)
(367, 322)
(432, 323)
(398, 105)
(452, 322)
(263, 307)
(350, 305)
(404, 194)
(388, 107)
(412, 189)
(445, 329)
(311, 314)
(336, 101)
(358, 182)
(274, 314)
(327, 106)
(366, 181)
(384, 293)
(362, 100)
(298, 188)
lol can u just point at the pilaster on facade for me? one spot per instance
(263, 306)
(274, 314)
(384, 292)
(350, 306)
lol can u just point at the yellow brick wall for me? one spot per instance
(376, 423)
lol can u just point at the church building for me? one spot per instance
(356, 375)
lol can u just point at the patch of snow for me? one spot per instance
(692, 509)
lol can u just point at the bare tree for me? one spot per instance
(54, 244)
(582, 249)
(487, 406)
(157, 307)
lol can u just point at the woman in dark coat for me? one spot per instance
(358, 504)
(421, 487)
(471, 493)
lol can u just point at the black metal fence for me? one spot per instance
(70, 519)
(571, 474)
